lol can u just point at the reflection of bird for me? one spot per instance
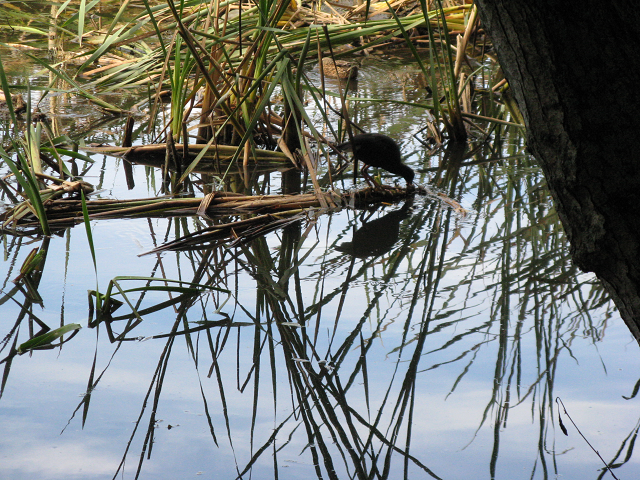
(339, 68)
(377, 237)
(377, 150)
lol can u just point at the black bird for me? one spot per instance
(377, 150)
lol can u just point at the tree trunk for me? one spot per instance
(574, 68)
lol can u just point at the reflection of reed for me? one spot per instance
(315, 375)
(461, 291)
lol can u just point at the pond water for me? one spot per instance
(437, 344)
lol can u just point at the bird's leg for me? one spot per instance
(369, 179)
(372, 181)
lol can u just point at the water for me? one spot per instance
(447, 349)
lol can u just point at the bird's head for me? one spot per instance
(409, 175)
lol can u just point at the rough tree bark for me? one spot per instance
(574, 67)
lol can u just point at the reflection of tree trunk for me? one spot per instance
(574, 68)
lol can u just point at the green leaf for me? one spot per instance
(47, 338)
